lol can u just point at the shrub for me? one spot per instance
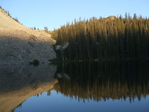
(33, 37)
(34, 62)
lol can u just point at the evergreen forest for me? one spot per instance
(111, 38)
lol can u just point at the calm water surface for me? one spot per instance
(58, 102)
(71, 87)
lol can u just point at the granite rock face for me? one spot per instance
(19, 44)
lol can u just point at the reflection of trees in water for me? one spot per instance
(101, 81)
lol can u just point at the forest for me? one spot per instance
(111, 38)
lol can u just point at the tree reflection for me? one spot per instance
(101, 81)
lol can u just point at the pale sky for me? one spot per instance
(55, 13)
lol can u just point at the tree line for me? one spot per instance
(104, 38)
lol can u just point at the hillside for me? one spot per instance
(19, 44)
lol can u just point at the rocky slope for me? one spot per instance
(19, 44)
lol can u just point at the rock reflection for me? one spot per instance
(19, 83)
(101, 81)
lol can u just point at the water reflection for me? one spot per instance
(80, 82)
(102, 81)
(19, 83)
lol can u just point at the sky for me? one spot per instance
(56, 13)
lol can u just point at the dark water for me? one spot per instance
(71, 87)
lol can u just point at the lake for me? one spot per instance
(121, 86)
